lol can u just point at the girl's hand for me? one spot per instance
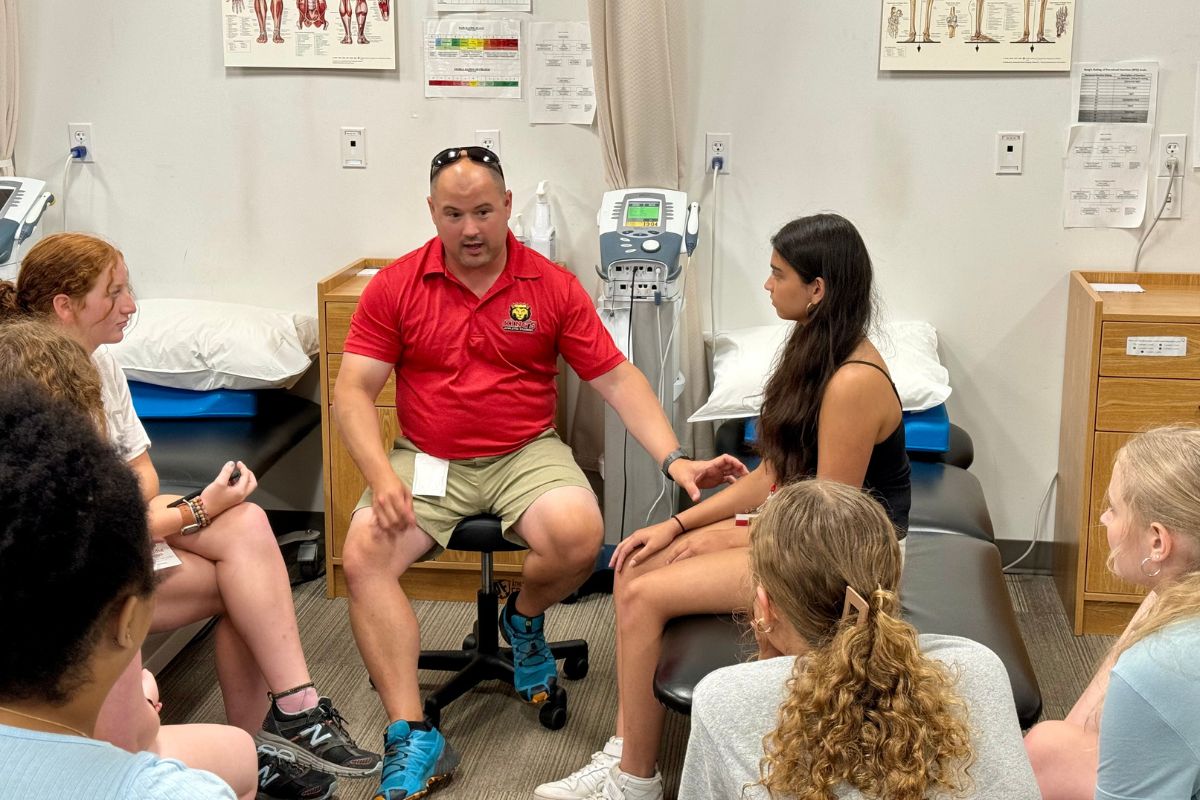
(219, 496)
(643, 543)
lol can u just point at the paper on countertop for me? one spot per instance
(1104, 175)
(368, 271)
(164, 556)
(1116, 287)
(563, 88)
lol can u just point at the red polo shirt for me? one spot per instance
(475, 377)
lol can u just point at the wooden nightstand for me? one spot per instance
(1111, 391)
(454, 575)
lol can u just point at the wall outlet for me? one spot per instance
(80, 133)
(490, 140)
(354, 148)
(718, 145)
(1171, 145)
(1174, 194)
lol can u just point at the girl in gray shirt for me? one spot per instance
(846, 701)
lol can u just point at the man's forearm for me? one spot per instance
(358, 423)
(626, 389)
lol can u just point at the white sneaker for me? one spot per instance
(620, 785)
(588, 779)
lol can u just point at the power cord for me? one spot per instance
(718, 162)
(76, 153)
(1037, 526)
(1173, 164)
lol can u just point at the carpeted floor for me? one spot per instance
(506, 752)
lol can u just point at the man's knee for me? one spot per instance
(565, 524)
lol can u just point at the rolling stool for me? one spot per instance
(482, 658)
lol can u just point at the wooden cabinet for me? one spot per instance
(1111, 391)
(454, 575)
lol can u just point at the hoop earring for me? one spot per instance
(1150, 574)
(760, 625)
(808, 309)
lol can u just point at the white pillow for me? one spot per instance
(743, 359)
(203, 345)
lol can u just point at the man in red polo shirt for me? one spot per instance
(472, 324)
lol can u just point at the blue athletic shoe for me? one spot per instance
(414, 762)
(535, 673)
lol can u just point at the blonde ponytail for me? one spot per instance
(864, 706)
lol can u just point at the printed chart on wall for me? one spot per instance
(313, 34)
(976, 35)
(1113, 107)
(561, 85)
(473, 57)
(476, 5)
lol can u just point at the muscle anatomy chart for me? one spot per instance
(972, 35)
(301, 33)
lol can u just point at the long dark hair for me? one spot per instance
(820, 246)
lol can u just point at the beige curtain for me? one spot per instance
(8, 85)
(643, 138)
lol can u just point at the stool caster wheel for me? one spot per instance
(472, 639)
(433, 714)
(553, 713)
(576, 668)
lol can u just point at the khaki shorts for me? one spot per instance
(501, 485)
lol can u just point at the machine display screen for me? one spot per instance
(5, 193)
(643, 213)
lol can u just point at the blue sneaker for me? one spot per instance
(535, 673)
(414, 762)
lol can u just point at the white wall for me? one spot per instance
(225, 183)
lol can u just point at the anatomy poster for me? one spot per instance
(473, 57)
(330, 34)
(976, 35)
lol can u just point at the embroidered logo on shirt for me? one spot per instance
(519, 319)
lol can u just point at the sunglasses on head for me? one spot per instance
(480, 155)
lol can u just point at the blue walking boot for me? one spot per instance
(414, 762)
(535, 673)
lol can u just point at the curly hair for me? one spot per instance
(62, 263)
(823, 246)
(73, 543)
(42, 352)
(864, 705)
(1160, 472)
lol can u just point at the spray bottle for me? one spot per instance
(541, 236)
(517, 226)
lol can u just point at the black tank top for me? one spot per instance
(889, 478)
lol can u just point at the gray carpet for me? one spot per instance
(506, 752)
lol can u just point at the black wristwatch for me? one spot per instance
(671, 458)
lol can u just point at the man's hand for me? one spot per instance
(392, 504)
(709, 541)
(692, 476)
(642, 544)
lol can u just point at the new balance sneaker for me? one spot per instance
(281, 778)
(534, 672)
(623, 786)
(587, 780)
(414, 762)
(318, 739)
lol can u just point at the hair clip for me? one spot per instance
(855, 601)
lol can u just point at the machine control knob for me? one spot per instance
(651, 245)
